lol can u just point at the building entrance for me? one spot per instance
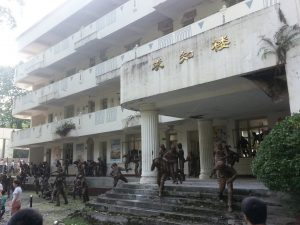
(193, 158)
(90, 149)
(68, 152)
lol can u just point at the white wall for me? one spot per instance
(5, 134)
(36, 155)
(138, 80)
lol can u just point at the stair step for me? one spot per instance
(117, 219)
(187, 217)
(186, 188)
(212, 203)
(186, 194)
(162, 205)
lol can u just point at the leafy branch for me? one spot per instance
(283, 40)
(65, 128)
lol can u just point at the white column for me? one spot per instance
(229, 132)
(150, 142)
(293, 79)
(206, 148)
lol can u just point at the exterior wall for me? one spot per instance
(36, 155)
(52, 20)
(181, 130)
(102, 121)
(240, 58)
(6, 149)
(104, 26)
(85, 76)
(244, 23)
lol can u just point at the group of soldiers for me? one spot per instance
(52, 191)
(92, 168)
(174, 157)
(170, 164)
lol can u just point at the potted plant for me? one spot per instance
(65, 128)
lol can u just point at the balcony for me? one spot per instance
(102, 121)
(241, 23)
(76, 83)
(110, 69)
(115, 20)
(108, 120)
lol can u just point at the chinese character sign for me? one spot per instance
(220, 44)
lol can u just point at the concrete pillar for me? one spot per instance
(293, 78)
(150, 142)
(230, 132)
(206, 148)
(167, 136)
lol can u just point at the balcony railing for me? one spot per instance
(78, 82)
(107, 120)
(109, 23)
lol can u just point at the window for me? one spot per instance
(104, 103)
(132, 45)
(166, 26)
(70, 72)
(92, 61)
(69, 111)
(68, 152)
(50, 118)
(102, 55)
(188, 18)
(91, 106)
(249, 135)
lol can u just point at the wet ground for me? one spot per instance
(49, 211)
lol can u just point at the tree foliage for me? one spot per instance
(6, 15)
(277, 163)
(283, 40)
(8, 92)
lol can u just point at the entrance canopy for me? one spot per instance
(230, 97)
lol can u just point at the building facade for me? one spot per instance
(107, 77)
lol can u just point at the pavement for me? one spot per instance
(49, 211)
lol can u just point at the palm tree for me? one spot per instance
(274, 85)
(284, 39)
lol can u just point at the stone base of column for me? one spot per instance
(148, 180)
(204, 176)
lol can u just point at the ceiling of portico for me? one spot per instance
(231, 97)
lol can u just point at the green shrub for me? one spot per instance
(277, 163)
(65, 128)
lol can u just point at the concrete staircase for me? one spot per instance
(189, 203)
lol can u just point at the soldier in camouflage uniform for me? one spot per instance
(37, 185)
(117, 174)
(77, 187)
(59, 186)
(81, 188)
(227, 175)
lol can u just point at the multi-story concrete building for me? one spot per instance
(124, 72)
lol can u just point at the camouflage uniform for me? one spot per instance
(117, 175)
(59, 186)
